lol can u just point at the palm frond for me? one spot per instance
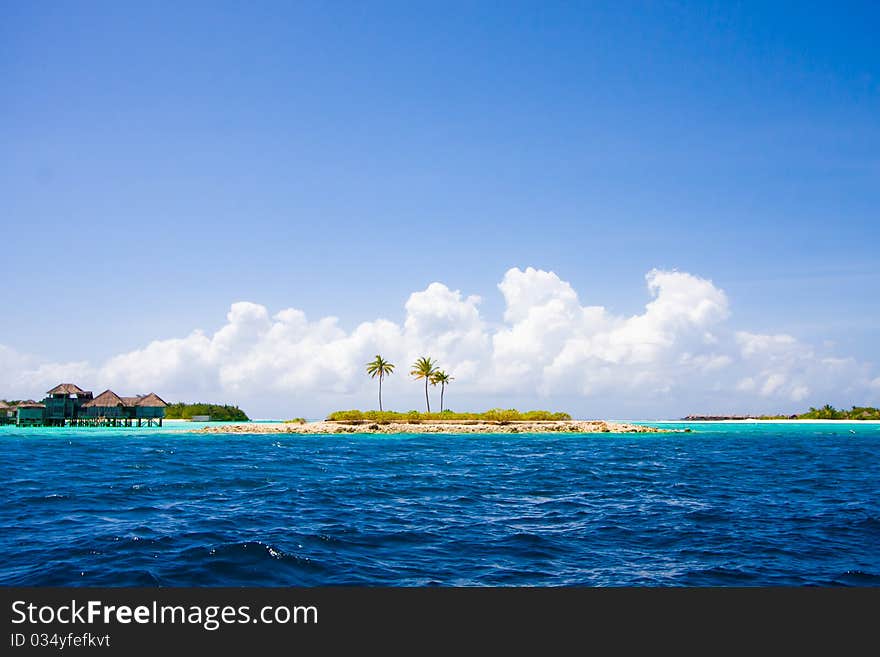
(423, 368)
(379, 367)
(440, 377)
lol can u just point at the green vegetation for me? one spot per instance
(381, 368)
(218, 412)
(296, 420)
(500, 415)
(828, 412)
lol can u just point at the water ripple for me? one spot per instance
(726, 505)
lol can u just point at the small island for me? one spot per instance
(827, 412)
(426, 371)
(215, 412)
(390, 422)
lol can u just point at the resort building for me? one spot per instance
(69, 405)
(30, 413)
(108, 404)
(7, 413)
(124, 410)
(64, 402)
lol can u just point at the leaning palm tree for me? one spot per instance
(424, 368)
(381, 368)
(443, 379)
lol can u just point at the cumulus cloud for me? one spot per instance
(678, 350)
(24, 375)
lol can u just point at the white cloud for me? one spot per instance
(678, 353)
(799, 393)
(746, 385)
(773, 383)
(781, 367)
(24, 376)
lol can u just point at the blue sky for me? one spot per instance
(162, 162)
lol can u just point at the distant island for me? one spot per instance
(216, 412)
(827, 412)
(496, 420)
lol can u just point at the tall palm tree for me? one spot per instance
(424, 368)
(381, 368)
(443, 379)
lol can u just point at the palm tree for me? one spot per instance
(443, 379)
(381, 368)
(424, 368)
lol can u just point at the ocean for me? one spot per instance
(726, 505)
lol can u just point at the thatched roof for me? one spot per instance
(152, 400)
(66, 389)
(30, 403)
(4, 406)
(106, 399)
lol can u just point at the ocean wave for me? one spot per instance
(718, 510)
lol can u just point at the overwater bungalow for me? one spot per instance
(7, 413)
(107, 405)
(30, 413)
(64, 402)
(126, 410)
(69, 405)
(145, 407)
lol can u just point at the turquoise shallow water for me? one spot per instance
(729, 504)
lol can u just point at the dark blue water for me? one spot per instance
(726, 505)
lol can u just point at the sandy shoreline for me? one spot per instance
(467, 426)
